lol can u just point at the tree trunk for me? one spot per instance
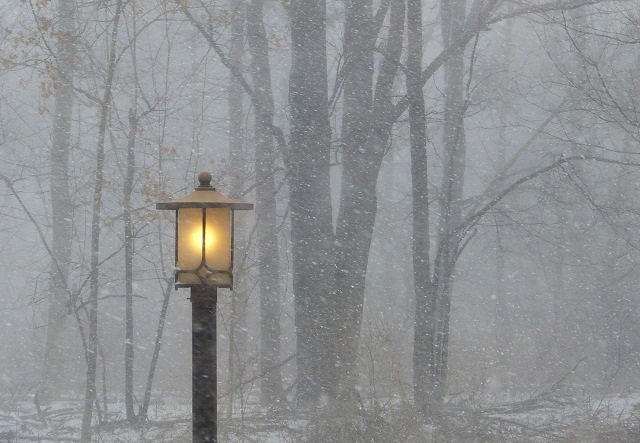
(266, 217)
(310, 199)
(366, 131)
(358, 202)
(61, 209)
(238, 167)
(425, 303)
(90, 392)
(501, 305)
(454, 147)
(144, 408)
(129, 251)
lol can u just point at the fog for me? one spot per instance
(444, 245)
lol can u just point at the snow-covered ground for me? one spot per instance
(169, 421)
(552, 418)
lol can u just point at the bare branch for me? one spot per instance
(276, 131)
(473, 218)
(479, 25)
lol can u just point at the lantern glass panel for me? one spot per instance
(214, 246)
(218, 239)
(189, 238)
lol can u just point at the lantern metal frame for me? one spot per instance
(204, 197)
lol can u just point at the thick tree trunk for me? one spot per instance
(454, 147)
(310, 199)
(367, 126)
(266, 217)
(61, 209)
(358, 202)
(425, 302)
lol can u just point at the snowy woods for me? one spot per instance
(445, 242)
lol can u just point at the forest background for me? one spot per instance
(446, 202)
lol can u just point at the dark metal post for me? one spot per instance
(204, 377)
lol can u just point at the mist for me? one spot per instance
(444, 245)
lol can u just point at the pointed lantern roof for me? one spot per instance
(205, 196)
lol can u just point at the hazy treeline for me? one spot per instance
(446, 199)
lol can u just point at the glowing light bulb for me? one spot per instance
(196, 239)
(210, 239)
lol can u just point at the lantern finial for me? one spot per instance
(205, 180)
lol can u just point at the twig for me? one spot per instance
(260, 375)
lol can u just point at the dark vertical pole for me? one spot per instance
(204, 377)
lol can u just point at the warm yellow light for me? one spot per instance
(209, 238)
(215, 247)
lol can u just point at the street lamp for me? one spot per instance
(204, 263)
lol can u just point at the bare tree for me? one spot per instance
(238, 164)
(266, 217)
(105, 108)
(309, 199)
(425, 320)
(61, 205)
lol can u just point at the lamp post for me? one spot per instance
(204, 263)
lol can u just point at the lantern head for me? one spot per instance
(204, 236)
